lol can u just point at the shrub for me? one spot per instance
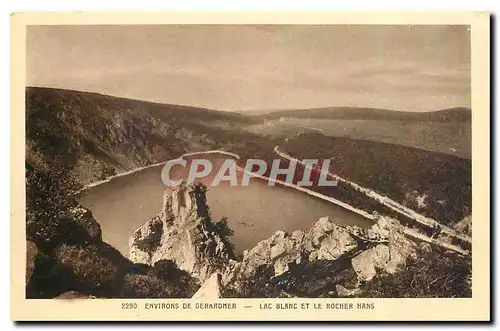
(105, 171)
(49, 196)
(308, 280)
(433, 275)
(185, 286)
(86, 269)
(143, 286)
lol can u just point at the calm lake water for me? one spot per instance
(254, 212)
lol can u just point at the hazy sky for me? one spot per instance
(413, 68)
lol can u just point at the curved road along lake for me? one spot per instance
(254, 212)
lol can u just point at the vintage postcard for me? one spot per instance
(250, 167)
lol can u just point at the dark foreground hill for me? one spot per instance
(97, 135)
(76, 137)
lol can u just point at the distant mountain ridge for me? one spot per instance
(457, 114)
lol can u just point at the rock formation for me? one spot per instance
(325, 241)
(328, 241)
(368, 262)
(381, 248)
(184, 233)
(211, 289)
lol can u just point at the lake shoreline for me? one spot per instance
(129, 172)
(307, 191)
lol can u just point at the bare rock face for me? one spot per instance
(184, 233)
(211, 289)
(425, 248)
(400, 248)
(388, 256)
(368, 262)
(328, 241)
(146, 240)
(279, 250)
(352, 255)
(325, 241)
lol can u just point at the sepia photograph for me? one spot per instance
(237, 161)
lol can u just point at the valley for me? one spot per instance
(96, 137)
(253, 212)
(394, 168)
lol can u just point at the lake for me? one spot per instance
(254, 212)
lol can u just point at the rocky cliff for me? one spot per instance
(184, 233)
(329, 259)
(95, 136)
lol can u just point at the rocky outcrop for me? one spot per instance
(325, 241)
(211, 289)
(381, 248)
(425, 248)
(387, 256)
(184, 233)
(368, 262)
(328, 241)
